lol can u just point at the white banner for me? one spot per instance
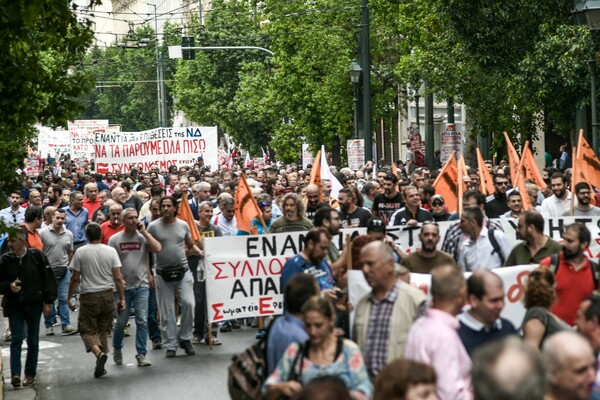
(450, 141)
(514, 279)
(307, 156)
(407, 237)
(83, 138)
(243, 273)
(356, 153)
(53, 142)
(163, 146)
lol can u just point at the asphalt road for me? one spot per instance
(65, 371)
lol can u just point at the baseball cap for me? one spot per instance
(376, 225)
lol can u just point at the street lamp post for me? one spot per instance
(355, 72)
(588, 12)
(365, 62)
(160, 95)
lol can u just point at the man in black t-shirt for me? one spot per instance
(388, 202)
(351, 215)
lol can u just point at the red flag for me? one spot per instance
(185, 213)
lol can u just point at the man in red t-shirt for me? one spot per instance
(574, 275)
(114, 224)
(91, 202)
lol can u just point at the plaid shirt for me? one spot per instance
(378, 332)
(454, 237)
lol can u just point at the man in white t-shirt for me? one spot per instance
(98, 269)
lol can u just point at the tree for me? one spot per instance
(41, 42)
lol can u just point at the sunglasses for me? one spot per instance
(502, 183)
(376, 222)
(265, 204)
(437, 203)
(430, 223)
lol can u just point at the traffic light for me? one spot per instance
(188, 41)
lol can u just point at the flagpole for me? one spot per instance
(573, 180)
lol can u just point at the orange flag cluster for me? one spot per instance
(586, 163)
(486, 184)
(447, 183)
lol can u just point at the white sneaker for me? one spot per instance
(50, 331)
(142, 362)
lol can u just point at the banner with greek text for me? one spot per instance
(243, 272)
(53, 142)
(83, 138)
(514, 279)
(407, 236)
(161, 146)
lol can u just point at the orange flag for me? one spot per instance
(530, 168)
(185, 213)
(446, 184)
(246, 208)
(486, 184)
(519, 182)
(315, 175)
(513, 159)
(395, 169)
(588, 164)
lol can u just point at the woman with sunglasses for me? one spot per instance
(438, 208)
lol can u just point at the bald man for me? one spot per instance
(571, 366)
(312, 201)
(394, 304)
(482, 323)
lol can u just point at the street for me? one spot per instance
(65, 370)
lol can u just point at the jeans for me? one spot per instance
(153, 328)
(62, 286)
(25, 317)
(138, 299)
(165, 294)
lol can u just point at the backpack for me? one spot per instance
(248, 370)
(555, 261)
(495, 244)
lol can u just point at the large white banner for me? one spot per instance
(243, 272)
(407, 236)
(53, 142)
(162, 146)
(83, 138)
(513, 278)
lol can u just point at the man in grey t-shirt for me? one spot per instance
(58, 248)
(173, 235)
(132, 246)
(583, 208)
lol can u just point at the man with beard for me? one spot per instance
(388, 202)
(429, 257)
(14, 215)
(482, 323)
(574, 273)
(412, 213)
(583, 191)
(515, 205)
(535, 245)
(560, 201)
(311, 260)
(496, 203)
(293, 219)
(312, 201)
(351, 215)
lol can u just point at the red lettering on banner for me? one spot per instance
(245, 268)
(516, 291)
(264, 307)
(234, 267)
(217, 308)
(219, 270)
(273, 261)
(259, 266)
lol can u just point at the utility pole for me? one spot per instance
(159, 77)
(365, 63)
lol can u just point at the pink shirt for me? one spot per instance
(433, 340)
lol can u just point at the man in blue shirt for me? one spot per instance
(482, 323)
(77, 219)
(289, 328)
(311, 260)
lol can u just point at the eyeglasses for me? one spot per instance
(504, 183)
(430, 223)
(376, 222)
(265, 204)
(437, 203)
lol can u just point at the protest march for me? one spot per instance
(372, 281)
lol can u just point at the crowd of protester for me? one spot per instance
(88, 233)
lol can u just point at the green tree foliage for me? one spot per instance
(126, 89)
(41, 42)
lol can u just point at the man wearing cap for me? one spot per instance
(438, 208)
(428, 257)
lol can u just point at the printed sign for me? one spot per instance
(161, 146)
(307, 156)
(356, 153)
(53, 142)
(450, 141)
